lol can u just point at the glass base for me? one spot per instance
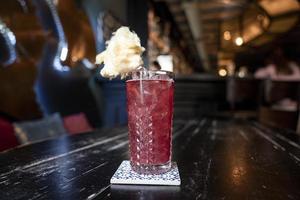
(150, 169)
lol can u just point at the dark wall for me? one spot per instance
(95, 10)
(138, 21)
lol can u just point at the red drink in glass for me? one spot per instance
(150, 116)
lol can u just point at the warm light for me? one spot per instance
(227, 35)
(279, 7)
(243, 72)
(55, 2)
(222, 72)
(64, 53)
(227, 1)
(239, 41)
(74, 59)
(238, 174)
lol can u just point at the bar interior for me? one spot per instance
(212, 107)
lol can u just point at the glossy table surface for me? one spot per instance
(218, 158)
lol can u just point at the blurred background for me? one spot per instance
(237, 58)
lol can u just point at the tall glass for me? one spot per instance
(150, 117)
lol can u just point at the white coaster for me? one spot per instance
(124, 175)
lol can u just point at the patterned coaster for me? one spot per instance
(124, 175)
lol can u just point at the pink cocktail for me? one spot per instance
(150, 116)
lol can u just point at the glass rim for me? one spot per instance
(170, 74)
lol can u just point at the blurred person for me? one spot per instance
(279, 68)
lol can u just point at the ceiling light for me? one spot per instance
(227, 35)
(222, 72)
(239, 41)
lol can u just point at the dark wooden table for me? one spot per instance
(218, 159)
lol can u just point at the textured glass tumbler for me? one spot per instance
(150, 117)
